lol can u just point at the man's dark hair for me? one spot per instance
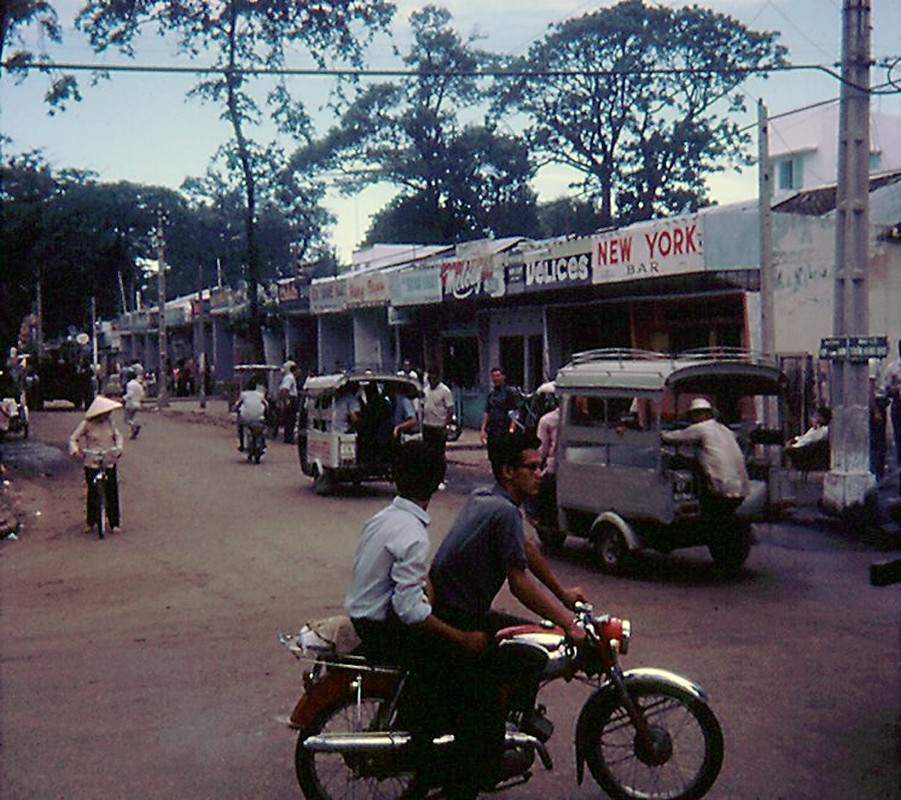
(418, 469)
(507, 450)
(825, 414)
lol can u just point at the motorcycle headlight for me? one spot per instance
(617, 632)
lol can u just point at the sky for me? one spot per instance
(144, 129)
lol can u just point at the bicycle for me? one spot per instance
(108, 460)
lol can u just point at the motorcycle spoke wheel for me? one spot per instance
(688, 743)
(337, 776)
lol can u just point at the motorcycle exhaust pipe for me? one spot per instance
(380, 741)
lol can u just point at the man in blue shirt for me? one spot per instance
(486, 546)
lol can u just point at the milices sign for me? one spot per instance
(647, 250)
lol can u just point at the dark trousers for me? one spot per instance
(435, 438)
(289, 417)
(473, 685)
(111, 496)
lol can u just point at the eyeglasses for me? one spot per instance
(532, 466)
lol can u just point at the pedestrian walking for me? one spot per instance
(502, 403)
(134, 395)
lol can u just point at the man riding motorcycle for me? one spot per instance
(486, 546)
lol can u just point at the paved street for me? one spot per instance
(146, 665)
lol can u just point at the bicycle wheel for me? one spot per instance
(100, 486)
(688, 750)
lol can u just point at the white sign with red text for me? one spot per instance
(648, 250)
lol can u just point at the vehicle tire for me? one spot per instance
(323, 481)
(552, 538)
(730, 546)
(333, 776)
(610, 548)
(690, 738)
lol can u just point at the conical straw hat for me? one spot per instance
(101, 405)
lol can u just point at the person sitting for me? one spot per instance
(388, 599)
(251, 407)
(811, 449)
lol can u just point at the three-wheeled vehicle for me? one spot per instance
(345, 426)
(617, 486)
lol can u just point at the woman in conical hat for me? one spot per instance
(97, 442)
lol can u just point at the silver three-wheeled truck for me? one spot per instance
(619, 487)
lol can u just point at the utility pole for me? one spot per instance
(162, 388)
(765, 211)
(201, 338)
(849, 479)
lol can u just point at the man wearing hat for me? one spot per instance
(289, 399)
(718, 455)
(97, 442)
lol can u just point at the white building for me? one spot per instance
(804, 147)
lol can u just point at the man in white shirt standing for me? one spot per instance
(289, 399)
(437, 412)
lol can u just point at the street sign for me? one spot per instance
(853, 348)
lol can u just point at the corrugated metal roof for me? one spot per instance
(820, 201)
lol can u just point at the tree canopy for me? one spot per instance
(455, 180)
(241, 36)
(640, 100)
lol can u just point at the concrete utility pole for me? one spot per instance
(162, 388)
(201, 339)
(765, 210)
(849, 479)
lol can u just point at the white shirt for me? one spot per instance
(548, 431)
(289, 384)
(390, 566)
(134, 394)
(718, 454)
(437, 405)
(252, 406)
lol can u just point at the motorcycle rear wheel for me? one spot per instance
(335, 776)
(690, 740)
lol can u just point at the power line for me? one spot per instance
(20, 66)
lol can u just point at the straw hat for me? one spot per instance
(101, 405)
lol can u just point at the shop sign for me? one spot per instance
(220, 297)
(287, 292)
(853, 348)
(548, 271)
(416, 286)
(368, 289)
(328, 294)
(463, 279)
(516, 278)
(648, 250)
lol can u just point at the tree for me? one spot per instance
(455, 181)
(566, 216)
(638, 100)
(17, 15)
(240, 36)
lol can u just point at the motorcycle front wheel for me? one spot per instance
(688, 746)
(336, 776)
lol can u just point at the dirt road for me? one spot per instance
(146, 665)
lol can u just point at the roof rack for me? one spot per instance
(616, 354)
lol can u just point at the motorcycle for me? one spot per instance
(643, 733)
(256, 441)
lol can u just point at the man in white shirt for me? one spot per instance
(134, 394)
(389, 603)
(437, 412)
(718, 455)
(289, 399)
(251, 408)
